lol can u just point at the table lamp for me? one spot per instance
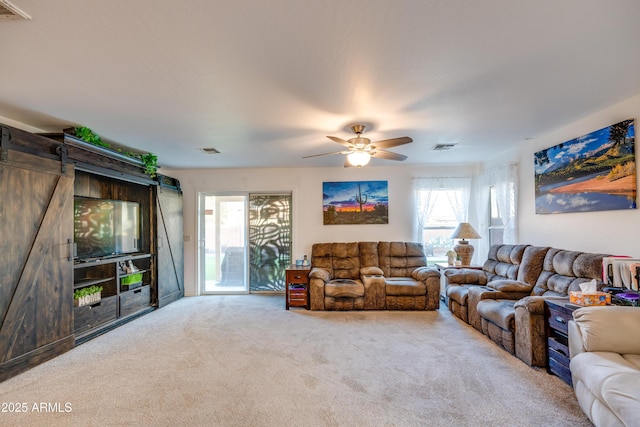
(463, 248)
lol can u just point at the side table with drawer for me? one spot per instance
(297, 286)
(557, 316)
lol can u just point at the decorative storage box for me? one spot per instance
(131, 281)
(591, 298)
(87, 299)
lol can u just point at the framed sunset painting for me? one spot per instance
(594, 172)
(355, 202)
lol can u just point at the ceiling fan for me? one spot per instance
(360, 150)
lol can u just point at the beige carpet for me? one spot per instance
(246, 361)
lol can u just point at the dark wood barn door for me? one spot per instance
(36, 267)
(170, 245)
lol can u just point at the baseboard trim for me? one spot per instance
(26, 361)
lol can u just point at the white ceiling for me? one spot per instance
(264, 81)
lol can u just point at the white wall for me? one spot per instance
(611, 232)
(306, 187)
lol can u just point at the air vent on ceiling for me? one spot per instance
(210, 151)
(11, 11)
(443, 147)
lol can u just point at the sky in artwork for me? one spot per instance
(583, 146)
(342, 195)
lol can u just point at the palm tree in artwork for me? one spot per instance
(618, 132)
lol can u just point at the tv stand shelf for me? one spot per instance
(118, 300)
(83, 283)
(83, 263)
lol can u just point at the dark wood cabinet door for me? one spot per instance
(36, 267)
(170, 246)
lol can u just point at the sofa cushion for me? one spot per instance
(532, 264)
(344, 288)
(459, 294)
(503, 261)
(369, 254)
(321, 257)
(463, 276)
(564, 271)
(345, 260)
(599, 333)
(498, 312)
(404, 286)
(510, 286)
(399, 259)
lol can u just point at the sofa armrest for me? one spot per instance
(374, 288)
(318, 277)
(609, 328)
(423, 273)
(319, 273)
(371, 271)
(531, 340)
(465, 276)
(535, 304)
(575, 339)
(507, 286)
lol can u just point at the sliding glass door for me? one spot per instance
(244, 242)
(223, 242)
(269, 241)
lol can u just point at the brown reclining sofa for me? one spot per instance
(372, 276)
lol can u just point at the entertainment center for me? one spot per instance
(77, 219)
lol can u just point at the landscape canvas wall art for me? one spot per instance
(355, 202)
(594, 172)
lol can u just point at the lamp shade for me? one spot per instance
(464, 230)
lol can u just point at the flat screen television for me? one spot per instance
(105, 227)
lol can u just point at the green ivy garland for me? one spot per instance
(149, 160)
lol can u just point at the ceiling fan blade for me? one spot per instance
(339, 141)
(323, 154)
(388, 155)
(393, 142)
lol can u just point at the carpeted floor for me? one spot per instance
(246, 361)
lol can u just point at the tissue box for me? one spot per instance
(589, 298)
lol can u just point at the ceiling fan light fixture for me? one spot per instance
(360, 142)
(359, 158)
(360, 150)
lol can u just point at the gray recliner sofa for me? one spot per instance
(511, 311)
(503, 263)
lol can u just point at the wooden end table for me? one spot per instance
(297, 286)
(557, 314)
